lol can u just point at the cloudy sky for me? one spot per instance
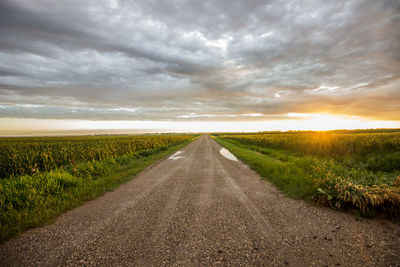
(198, 62)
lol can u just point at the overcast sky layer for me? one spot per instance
(199, 60)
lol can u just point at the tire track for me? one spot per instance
(203, 210)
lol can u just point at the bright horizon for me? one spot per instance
(315, 122)
(112, 66)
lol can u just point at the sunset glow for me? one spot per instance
(198, 66)
(315, 122)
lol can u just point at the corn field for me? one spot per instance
(20, 156)
(325, 143)
(359, 170)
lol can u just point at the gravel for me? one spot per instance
(202, 209)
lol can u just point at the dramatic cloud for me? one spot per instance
(198, 60)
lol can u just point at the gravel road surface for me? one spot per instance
(199, 208)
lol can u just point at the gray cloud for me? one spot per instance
(121, 60)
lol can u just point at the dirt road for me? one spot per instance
(199, 208)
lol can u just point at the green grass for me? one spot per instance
(371, 151)
(23, 155)
(33, 200)
(287, 172)
(335, 183)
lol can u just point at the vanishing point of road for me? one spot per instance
(199, 208)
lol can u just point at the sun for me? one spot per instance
(325, 122)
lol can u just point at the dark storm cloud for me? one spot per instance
(198, 59)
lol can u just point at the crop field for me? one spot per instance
(340, 169)
(41, 177)
(28, 155)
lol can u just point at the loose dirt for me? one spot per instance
(202, 209)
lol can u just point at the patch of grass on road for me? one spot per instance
(30, 201)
